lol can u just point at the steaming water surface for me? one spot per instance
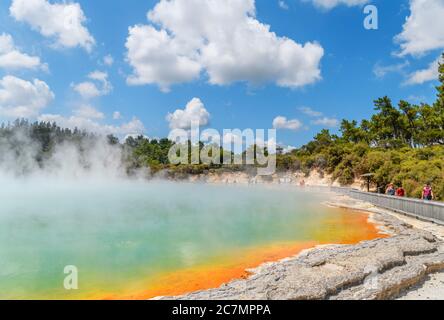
(139, 240)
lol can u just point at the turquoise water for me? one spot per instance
(117, 233)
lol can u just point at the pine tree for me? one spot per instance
(439, 105)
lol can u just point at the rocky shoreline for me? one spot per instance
(378, 269)
(315, 178)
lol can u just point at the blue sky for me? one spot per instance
(356, 65)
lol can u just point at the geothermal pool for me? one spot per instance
(135, 240)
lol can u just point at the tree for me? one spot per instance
(439, 105)
(112, 140)
(351, 132)
(387, 125)
(411, 119)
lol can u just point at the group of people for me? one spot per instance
(427, 192)
(392, 191)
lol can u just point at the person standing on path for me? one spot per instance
(427, 192)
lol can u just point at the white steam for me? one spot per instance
(89, 157)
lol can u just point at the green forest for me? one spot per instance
(401, 143)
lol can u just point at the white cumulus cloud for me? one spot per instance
(380, 71)
(98, 86)
(327, 122)
(284, 123)
(425, 75)
(222, 38)
(310, 112)
(423, 30)
(330, 4)
(87, 111)
(194, 113)
(12, 58)
(156, 58)
(23, 99)
(63, 22)
(319, 118)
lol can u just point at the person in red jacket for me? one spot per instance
(400, 192)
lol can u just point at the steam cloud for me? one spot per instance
(79, 157)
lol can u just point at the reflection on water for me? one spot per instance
(140, 240)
